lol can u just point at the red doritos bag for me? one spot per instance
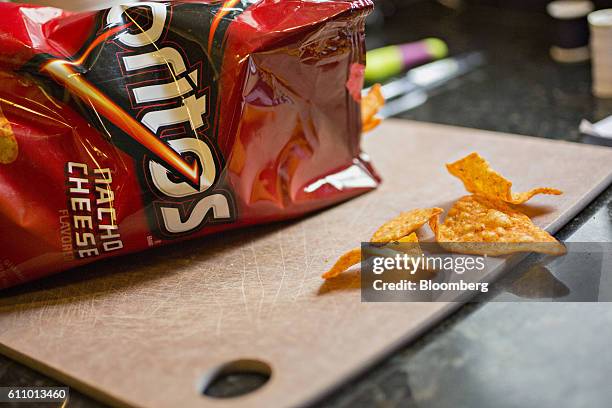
(153, 122)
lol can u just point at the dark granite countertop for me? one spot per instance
(488, 354)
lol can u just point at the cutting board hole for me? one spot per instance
(236, 378)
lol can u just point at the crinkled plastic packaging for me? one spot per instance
(145, 124)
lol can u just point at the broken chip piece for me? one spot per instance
(353, 257)
(481, 226)
(350, 258)
(9, 149)
(401, 229)
(479, 178)
(404, 224)
(370, 105)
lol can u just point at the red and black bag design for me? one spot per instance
(147, 123)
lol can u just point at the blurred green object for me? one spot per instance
(383, 63)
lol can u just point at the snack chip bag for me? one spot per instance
(154, 122)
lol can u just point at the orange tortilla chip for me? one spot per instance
(478, 225)
(409, 239)
(370, 125)
(370, 105)
(9, 150)
(479, 178)
(414, 249)
(404, 224)
(352, 257)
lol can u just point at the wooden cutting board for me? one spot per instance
(145, 330)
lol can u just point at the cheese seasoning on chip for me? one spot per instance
(353, 257)
(479, 178)
(482, 226)
(9, 150)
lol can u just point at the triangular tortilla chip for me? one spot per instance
(479, 178)
(353, 257)
(477, 225)
(350, 258)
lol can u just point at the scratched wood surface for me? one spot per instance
(143, 330)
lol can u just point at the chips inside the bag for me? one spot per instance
(478, 225)
(404, 224)
(370, 105)
(9, 149)
(479, 178)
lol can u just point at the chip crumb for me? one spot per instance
(9, 150)
(479, 178)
